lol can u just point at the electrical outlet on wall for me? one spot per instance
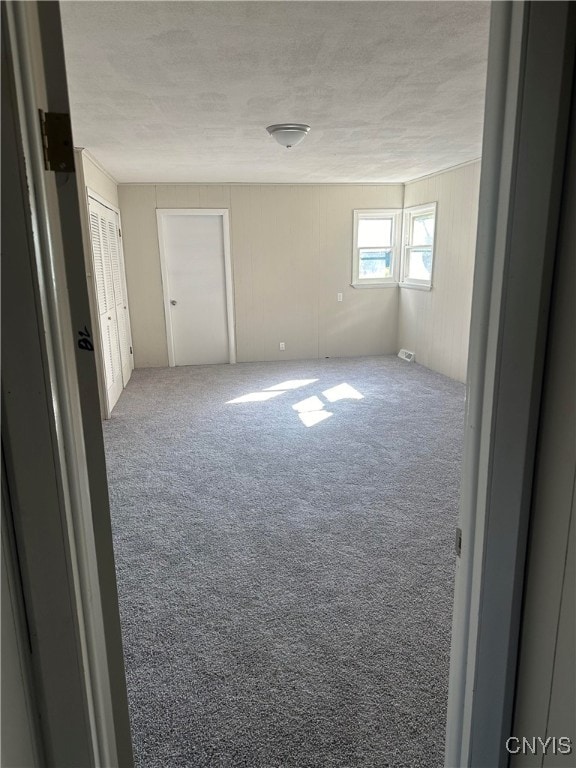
(282, 346)
(340, 296)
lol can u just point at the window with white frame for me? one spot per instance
(376, 247)
(418, 247)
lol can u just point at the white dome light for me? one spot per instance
(288, 134)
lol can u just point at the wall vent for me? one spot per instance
(406, 355)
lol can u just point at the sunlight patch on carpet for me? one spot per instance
(255, 397)
(342, 392)
(292, 384)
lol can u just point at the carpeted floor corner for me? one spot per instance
(285, 562)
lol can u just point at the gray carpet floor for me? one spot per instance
(285, 562)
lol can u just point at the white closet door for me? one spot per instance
(112, 312)
(120, 298)
(101, 260)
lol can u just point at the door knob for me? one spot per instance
(173, 302)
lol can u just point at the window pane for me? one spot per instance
(419, 264)
(375, 264)
(374, 232)
(423, 229)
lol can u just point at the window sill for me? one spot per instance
(374, 285)
(416, 287)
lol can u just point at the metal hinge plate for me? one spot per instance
(458, 542)
(57, 141)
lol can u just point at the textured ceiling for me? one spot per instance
(183, 91)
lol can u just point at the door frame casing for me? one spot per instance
(61, 518)
(526, 126)
(161, 214)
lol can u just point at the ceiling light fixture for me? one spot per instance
(288, 134)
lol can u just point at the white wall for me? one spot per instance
(436, 324)
(98, 180)
(291, 251)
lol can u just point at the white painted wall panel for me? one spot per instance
(282, 286)
(143, 275)
(365, 321)
(291, 249)
(193, 196)
(99, 181)
(435, 324)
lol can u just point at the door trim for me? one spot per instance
(161, 214)
(526, 124)
(61, 519)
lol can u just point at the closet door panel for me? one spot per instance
(104, 280)
(120, 299)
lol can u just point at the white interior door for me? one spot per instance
(120, 296)
(112, 299)
(195, 286)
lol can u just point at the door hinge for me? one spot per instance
(131, 350)
(119, 232)
(458, 542)
(57, 141)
